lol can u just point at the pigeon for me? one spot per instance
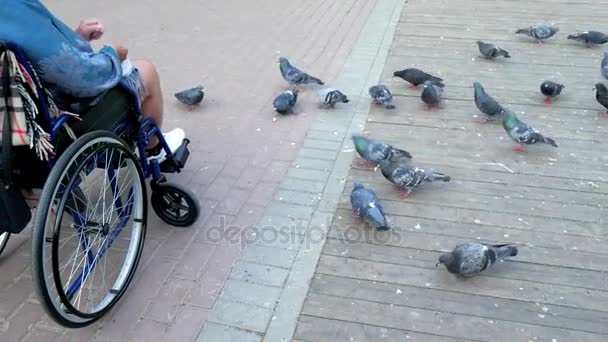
(590, 38)
(295, 76)
(381, 95)
(191, 97)
(409, 178)
(367, 206)
(330, 96)
(285, 101)
(417, 77)
(521, 133)
(486, 103)
(431, 94)
(605, 65)
(375, 151)
(470, 259)
(551, 90)
(601, 95)
(540, 32)
(490, 50)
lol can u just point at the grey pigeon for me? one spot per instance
(330, 96)
(551, 90)
(367, 206)
(285, 101)
(539, 32)
(486, 103)
(470, 259)
(521, 133)
(381, 95)
(295, 76)
(431, 94)
(375, 151)
(409, 178)
(417, 77)
(605, 65)
(191, 97)
(601, 95)
(590, 38)
(491, 50)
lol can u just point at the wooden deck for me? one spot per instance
(550, 201)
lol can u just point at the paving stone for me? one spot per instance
(315, 175)
(268, 256)
(314, 164)
(302, 185)
(251, 293)
(240, 315)
(295, 197)
(317, 154)
(219, 332)
(277, 208)
(259, 274)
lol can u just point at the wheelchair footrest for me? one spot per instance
(179, 159)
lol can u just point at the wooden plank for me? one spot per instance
(460, 303)
(498, 189)
(435, 322)
(428, 256)
(355, 230)
(486, 286)
(433, 194)
(315, 329)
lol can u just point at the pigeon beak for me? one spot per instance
(437, 264)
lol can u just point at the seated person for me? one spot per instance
(68, 66)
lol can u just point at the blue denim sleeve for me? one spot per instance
(79, 73)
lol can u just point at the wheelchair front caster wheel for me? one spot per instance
(175, 204)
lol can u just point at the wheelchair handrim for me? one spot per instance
(63, 305)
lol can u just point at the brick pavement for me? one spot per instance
(262, 303)
(239, 154)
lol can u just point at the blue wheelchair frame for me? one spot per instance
(147, 129)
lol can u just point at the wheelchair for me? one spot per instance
(89, 227)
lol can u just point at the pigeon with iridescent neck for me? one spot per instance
(590, 38)
(521, 133)
(487, 104)
(381, 95)
(375, 151)
(409, 178)
(539, 32)
(491, 50)
(191, 97)
(366, 205)
(470, 259)
(601, 96)
(295, 76)
(551, 90)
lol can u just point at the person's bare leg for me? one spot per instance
(152, 104)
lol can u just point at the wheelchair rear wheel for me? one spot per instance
(89, 229)
(4, 240)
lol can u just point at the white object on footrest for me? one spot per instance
(174, 139)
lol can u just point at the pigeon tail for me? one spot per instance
(439, 84)
(376, 218)
(389, 105)
(436, 176)
(315, 80)
(550, 141)
(504, 53)
(505, 251)
(522, 31)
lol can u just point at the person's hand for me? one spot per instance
(90, 29)
(122, 51)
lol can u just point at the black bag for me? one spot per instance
(15, 214)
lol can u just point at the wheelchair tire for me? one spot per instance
(4, 240)
(96, 235)
(175, 204)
